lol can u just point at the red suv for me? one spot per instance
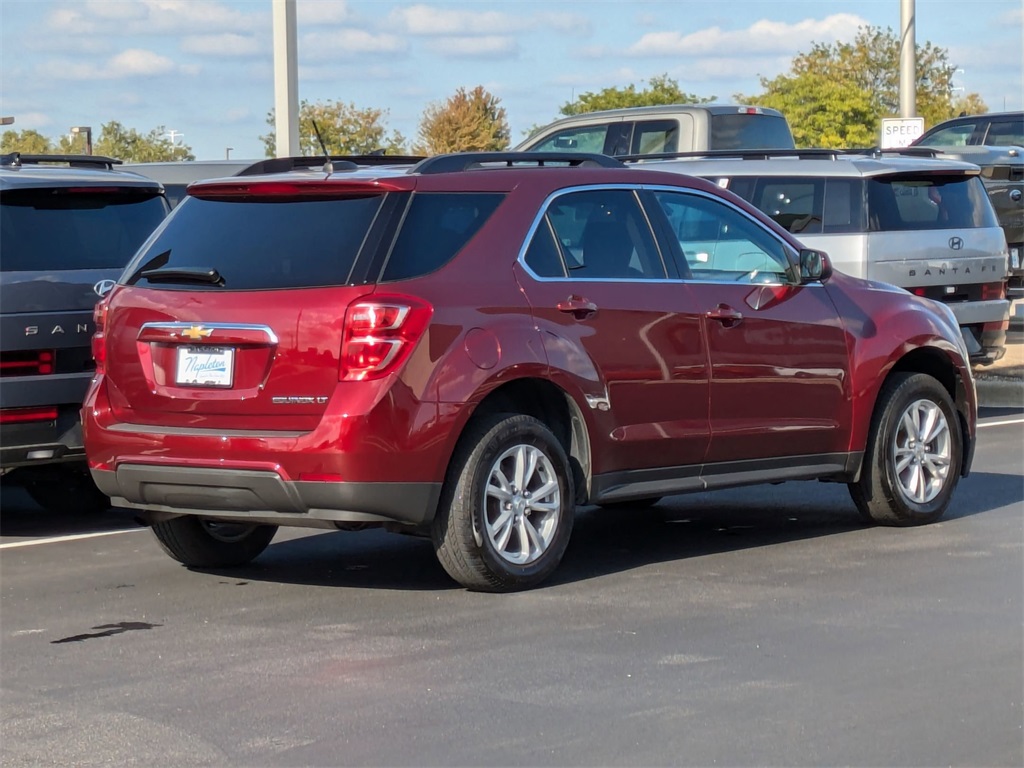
(470, 347)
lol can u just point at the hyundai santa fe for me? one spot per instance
(468, 348)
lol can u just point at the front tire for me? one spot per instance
(914, 453)
(508, 505)
(200, 543)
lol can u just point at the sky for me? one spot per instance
(203, 69)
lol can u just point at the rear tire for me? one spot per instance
(507, 508)
(62, 488)
(201, 543)
(914, 453)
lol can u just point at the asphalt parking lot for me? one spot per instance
(751, 627)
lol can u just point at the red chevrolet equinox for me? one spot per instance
(470, 347)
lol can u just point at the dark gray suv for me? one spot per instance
(68, 225)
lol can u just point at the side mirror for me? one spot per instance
(815, 266)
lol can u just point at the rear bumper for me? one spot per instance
(35, 444)
(265, 497)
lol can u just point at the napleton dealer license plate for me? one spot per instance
(205, 366)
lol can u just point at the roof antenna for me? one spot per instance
(328, 165)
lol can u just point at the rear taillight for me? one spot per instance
(32, 362)
(993, 291)
(25, 415)
(99, 338)
(380, 334)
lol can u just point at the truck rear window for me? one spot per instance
(749, 131)
(45, 230)
(260, 244)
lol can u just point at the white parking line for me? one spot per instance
(983, 424)
(56, 539)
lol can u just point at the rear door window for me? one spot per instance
(930, 202)
(59, 229)
(1006, 133)
(804, 205)
(586, 138)
(603, 234)
(256, 245)
(654, 136)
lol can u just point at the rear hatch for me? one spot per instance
(61, 248)
(933, 229)
(233, 316)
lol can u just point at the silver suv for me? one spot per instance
(905, 218)
(665, 128)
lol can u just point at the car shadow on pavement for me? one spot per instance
(22, 518)
(609, 541)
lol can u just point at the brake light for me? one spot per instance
(918, 291)
(99, 338)
(27, 362)
(23, 415)
(993, 291)
(320, 189)
(379, 335)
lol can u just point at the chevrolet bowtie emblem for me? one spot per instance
(196, 332)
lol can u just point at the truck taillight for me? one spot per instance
(379, 335)
(32, 362)
(99, 339)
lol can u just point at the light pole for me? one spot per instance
(6, 121)
(227, 152)
(87, 130)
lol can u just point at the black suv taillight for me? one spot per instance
(27, 362)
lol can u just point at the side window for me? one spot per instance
(953, 136)
(543, 256)
(654, 136)
(795, 204)
(604, 235)
(721, 243)
(1006, 133)
(587, 138)
(435, 228)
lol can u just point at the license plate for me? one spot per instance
(1015, 257)
(206, 366)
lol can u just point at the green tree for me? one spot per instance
(836, 95)
(346, 130)
(468, 121)
(28, 142)
(661, 89)
(133, 147)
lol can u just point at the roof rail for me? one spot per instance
(340, 163)
(465, 161)
(741, 154)
(906, 151)
(15, 159)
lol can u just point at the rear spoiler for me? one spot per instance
(17, 159)
(338, 163)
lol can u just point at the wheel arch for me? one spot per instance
(936, 363)
(551, 405)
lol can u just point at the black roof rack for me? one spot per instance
(15, 159)
(742, 154)
(464, 161)
(339, 162)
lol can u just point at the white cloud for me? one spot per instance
(312, 12)
(431, 21)
(130, 63)
(226, 45)
(764, 37)
(348, 44)
(488, 47)
(153, 17)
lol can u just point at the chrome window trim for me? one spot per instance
(636, 188)
(178, 326)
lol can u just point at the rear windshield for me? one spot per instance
(930, 202)
(750, 131)
(256, 245)
(66, 229)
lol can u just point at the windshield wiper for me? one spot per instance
(183, 275)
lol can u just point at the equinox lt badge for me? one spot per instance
(298, 400)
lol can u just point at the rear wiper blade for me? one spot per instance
(183, 275)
